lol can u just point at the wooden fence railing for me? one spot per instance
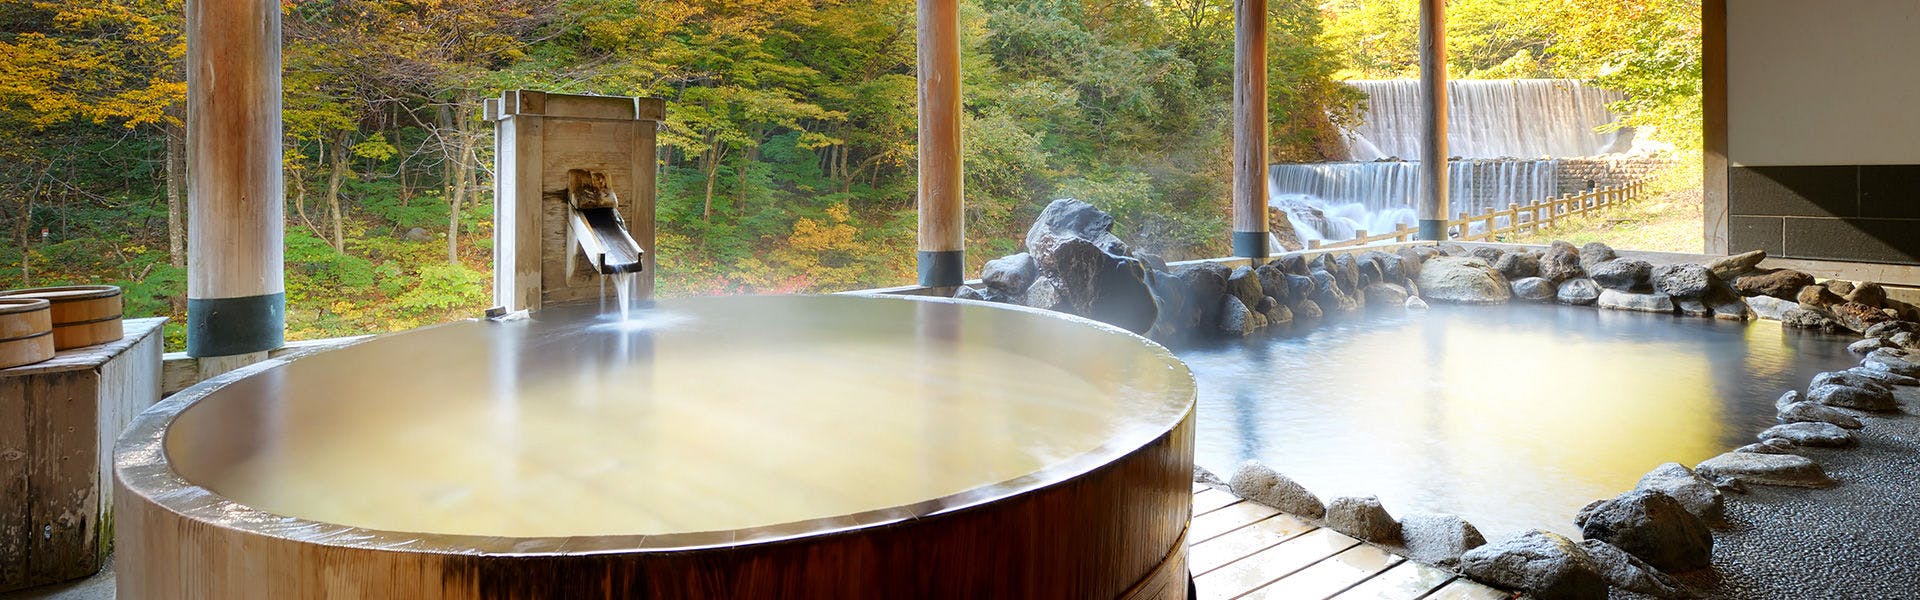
(1534, 216)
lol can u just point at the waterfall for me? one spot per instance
(1330, 201)
(1504, 134)
(1490, 118)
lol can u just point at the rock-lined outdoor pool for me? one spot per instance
(1512, 416)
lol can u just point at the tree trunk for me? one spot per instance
(176, 195)
(462, 160)
(335, 177)
(712, 168)
(740, 179)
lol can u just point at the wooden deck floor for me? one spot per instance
(1245, 550)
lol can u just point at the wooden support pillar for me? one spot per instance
(942, 224)
(1250, 238)
(1433, 211)
(1713, 99)
(236, 294)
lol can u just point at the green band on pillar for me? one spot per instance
(944, 268)
(1252, 244)
(228, 326)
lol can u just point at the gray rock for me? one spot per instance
(1545, 564)
(1685, 281)
(1299, 287)
(1047, 293)
(1411, 258)
(1578, 291)
(1202, 475)
(1769, 307)
(417, 234)
(1783, 284)
(1851, 379)
(1257, 482)
(1766, 469)
(1518, 265)
(1235, 318)
(1694, 492)
(1279, 314)
(1202, 286)
(1245, 285)
(1362, 517)
(1273, 282)
(1847, 396)
(1306, 308)
(1346, 270)
(1329, 296)
(1651, 525)
(1817, 297)
(1887, 329)
(1800, 318)
(1439, 540)
(1628, 572)
(1882, 377)
(1067, 217)
(1813, 412)
(1622, 274)
(1649, 302)
(1732, 308)
(1786, 399)
(1691, 307)
(967, 292)
(1811, 434)
(1414, 303)
(1903, 340)
(1010, 275)
(1772, 446)
(1098, 284)
(1462, 280)
(1390, 265)
(1868, 345)
(1595, 253)
(1454, 250)
(1533, 289)
(1896, 361)
(1729, 267)
(1561, 263)
(1489, 254)
(1382, 295)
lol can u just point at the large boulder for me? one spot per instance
(1887, 329)
(1259, 483)
(1628, 572)
(1817, 434)
(1896, 361)
(1856, 316)
(1857, 397)
(1578, 291)
(1694, 492)
(1462, 280)
(1766, 469)
(1800, 318)
(1729, 267)
(1769, 307)
(1010, 275)
(1273, 281)
(1070, 218)
(1046, 292)
(1783, 284)
(1649, 302)
(1817, 297)
(1622, 274)
(1242, 283)
(1098, 284)
(1385, 295)
(1346, 270)
(967, 292)
(1518, 265)
(1236, 318)
(1439, 540)
(1328, 293)
(1306, 308)
(1534, 289)
(1595, 253)
(1362, 517)
(1202, 285)
(1868, 293)
(1692, 282)
(1561, 262)
(1814, 412)
(1411, 259)
(1882, 377)
(1547, 565)
(1487, 253)
(1391, 266)
(1651, 525)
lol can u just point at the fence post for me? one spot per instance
(1313, 244)
(1360, 237)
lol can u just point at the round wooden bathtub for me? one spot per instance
(747, 447)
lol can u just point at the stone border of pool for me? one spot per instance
(1664, 525)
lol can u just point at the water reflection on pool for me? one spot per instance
(1512, 416)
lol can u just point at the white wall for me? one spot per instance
(1823, 82)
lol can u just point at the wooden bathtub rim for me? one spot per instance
(152, 493)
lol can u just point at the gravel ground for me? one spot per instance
(1860, 539)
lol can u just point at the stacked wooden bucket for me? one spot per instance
(35, 323)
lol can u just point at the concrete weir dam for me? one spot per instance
(1511, 141)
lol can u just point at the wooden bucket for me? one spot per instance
(83, 315)
(26, 331)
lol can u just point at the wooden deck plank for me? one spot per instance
(1463, 589)
(1266, 566)
(1266, 533)
(1210, 500)
(1406, 581)
(1225, 519)
(1331, 576)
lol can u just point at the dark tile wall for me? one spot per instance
(1862, 213)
